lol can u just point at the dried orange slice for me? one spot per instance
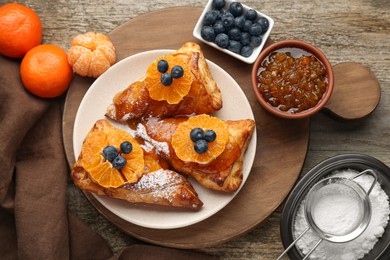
(179, 87)
(100, 169)
(184, 146)
(91, 54)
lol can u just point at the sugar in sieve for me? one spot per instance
(348, 192)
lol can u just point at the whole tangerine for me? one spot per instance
(45, 71)
(20, 30)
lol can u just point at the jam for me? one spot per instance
(292, 80)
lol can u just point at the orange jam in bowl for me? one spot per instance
(292, 81)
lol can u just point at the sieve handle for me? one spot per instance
(313, 248)
(293, 243)
(369, 172)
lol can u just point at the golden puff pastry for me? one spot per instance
(224, 173)
(157, 185)
(204, 96)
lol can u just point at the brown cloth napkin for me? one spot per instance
(34, 219)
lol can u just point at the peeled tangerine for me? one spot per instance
(91, 54)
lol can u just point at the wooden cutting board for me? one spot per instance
(281, 144)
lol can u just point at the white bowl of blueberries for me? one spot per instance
(234, 28)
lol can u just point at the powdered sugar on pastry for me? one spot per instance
(111, 113)
(158, 179)
(161, 147)
(163, 186)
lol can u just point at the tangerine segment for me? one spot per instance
(134, 167)
(179, 88)
(79, 58)
(92, 151)
(184, 146)
(154, 162)
(106, 175)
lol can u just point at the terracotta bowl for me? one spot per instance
(295, 45)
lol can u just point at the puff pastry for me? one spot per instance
(158, 185)
(224, 173)
(204, 96)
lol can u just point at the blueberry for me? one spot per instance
(218, 4)
(234, 46)
(210, 135)
(119, 162)
(218, 27)
(234, 34)
(256, 41)
(228, 20)
(208, 33)
(126, 147)
(255, 29)
(210, 17)
(162, 66)
(246, 51)
(166, 79)
(110, 152)
(220, 14)
(201, 146)
(245, 38)
(264, 23)
(177, 72)
(236, 9)
(196, 134)
(222, 40)
(247, 26)
(239, 22)
(251, 15)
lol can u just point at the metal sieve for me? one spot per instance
(346, 188)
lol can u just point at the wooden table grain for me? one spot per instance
(350, 30)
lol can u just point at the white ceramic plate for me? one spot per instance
(99, 97)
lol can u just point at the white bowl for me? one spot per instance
(256, 50)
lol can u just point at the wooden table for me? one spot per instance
(351, 30)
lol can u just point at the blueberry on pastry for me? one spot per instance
(114, 164)
(204, 147)
(179, 83)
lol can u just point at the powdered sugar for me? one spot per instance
(155, 181)
(147, 148)
(111, 113)
(161, 147)
(358, 247)
(158, 182)
(337, 212)
(126, 117)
